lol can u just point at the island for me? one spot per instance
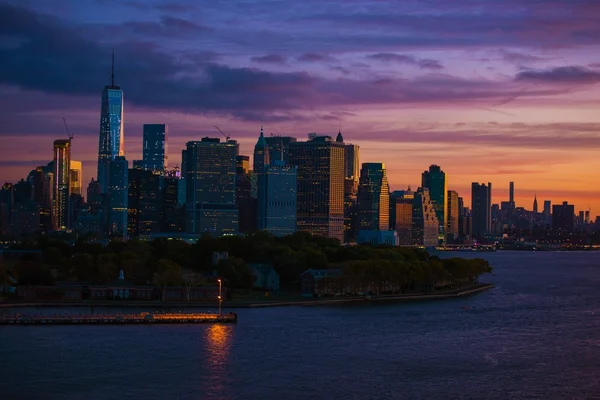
(232, 271)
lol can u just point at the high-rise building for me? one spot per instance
(6, 205)
(76, 177)
(210, 172)
(373, 204)
(461, 218)
(42, 195)
(401, 215)
(280, 208)
(547, 212)
(171, 210)
(481, 208)
(563, 218)
(279, 147)
(261, 161)
(321, 173)
(435, 180)
(535, 204)
(144, 203)
(243, 196)
(154, 151)
(511, 194)
(118, 177)
(351, 165)
(112, 139)
(453, 216)
(425, 223)
(62, 163)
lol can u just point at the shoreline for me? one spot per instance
(326, 301)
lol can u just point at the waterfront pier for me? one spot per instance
(119, 319)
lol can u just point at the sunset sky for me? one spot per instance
(492, 91)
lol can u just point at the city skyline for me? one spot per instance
(527, 114)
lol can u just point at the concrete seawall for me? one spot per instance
(266, 303)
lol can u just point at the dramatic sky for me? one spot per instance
(492, 91)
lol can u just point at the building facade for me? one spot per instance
(281, 199)
(351, 165)
(452, 217)
(61, 190)
(321, 172)
(563, 218)
(373, 200)
(435, 180)
(210, 178)
(481, 208)
(155, 147)
(76, 177)
(425, 223)
(144, 203)
(118, 197)
(401, 215)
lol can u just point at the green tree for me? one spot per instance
(107, 267)
(83, 268)
(236, 273)
(168, 274)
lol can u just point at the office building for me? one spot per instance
(171, 210)
(453, 216)
(563, 218)
(210, 172)
(144, 202)
(243, 196)
(511, 194)
(401, 215)
(280, 205)
(62, 163)
(435, 180)
(76, 177)
(111, 139)
(155, 150)
(261, 161)
(321, 172)
(351, 165)
(481, 204)
(535, 204)
(279, 147)
(373, 201)
(378, 238)
(547, 212)
(118, 197)
(425, 223)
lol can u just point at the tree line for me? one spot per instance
(161, 262)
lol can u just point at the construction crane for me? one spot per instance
(223, 133)
(67, 128)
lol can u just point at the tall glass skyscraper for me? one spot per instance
(61, 187)
(154, 153)
(373, 198)
(111, 143)
(481, 208)
(280, 205)
(435, 181)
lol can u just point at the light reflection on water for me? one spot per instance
(217, 339)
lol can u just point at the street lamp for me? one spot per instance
(220, 299)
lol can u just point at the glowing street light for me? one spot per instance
(220, 299)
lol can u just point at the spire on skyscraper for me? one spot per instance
(535, 204)
(339, 138)
(262, 143)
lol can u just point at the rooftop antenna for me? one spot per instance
(112, 76)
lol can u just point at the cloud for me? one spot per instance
(568, 74)
(269, 59)
(518, 58)
(315, 57)
(406, 59)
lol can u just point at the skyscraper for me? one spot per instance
(76, 177)
(243, 195)
(111, 141)
(435, 181)
(210, 169)
(143, 208)
(511, 194)
(401, 215)
(481, 204)
(453, 215)
(62, 163)
(373, 203)
(154, 152)
(280, 208)
(279, 147)
(535, 204)
(171, 211)
(425, 223)
(563, 218)
(261, 161)
(118, 177)
(351, 165)
(321, 172)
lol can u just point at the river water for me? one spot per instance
(536, 335)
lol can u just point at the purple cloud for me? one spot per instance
(269, 59)
(406, 59)
(569, 74)
(315, 57)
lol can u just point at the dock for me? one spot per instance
(119, 319)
